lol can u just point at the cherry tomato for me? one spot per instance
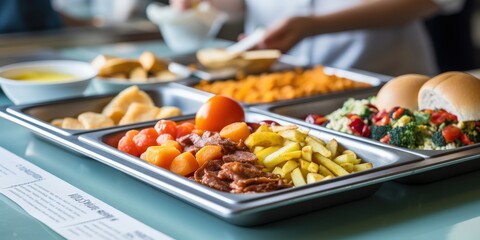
(398, 113)
(450, 133)
(218, 112)
(145, 138)
(166, 126)
(127, 145)
(385, 139)
(357, 126)
(164, 137)
(466, 140)
(315, 119)
(184, 129)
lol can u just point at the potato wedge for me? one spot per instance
(168, 111)
(91, 120)
(139, 112)
(151, 63)
(118, 65)
(72, 123)
(120, 103)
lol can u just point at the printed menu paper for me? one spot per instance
(64, 208)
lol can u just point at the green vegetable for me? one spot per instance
(474, 135)
(378, 132)
(438, 139)
(421, 118)
(404, 136)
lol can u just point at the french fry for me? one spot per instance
(317, 146)
(297, 178)
(261, 155)
(314, 177)
(345, 158)
(324, 171)
(293, 135)
(347, 166)
(362, 167)
(307, 153)
(288, 167)
(313, 167)
(331, 165)
(276, 157)
(264, 139)
(332, 146)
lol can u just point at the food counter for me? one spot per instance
(446, 209)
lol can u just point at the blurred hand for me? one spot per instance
(286, 34)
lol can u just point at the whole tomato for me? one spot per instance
(218, 112)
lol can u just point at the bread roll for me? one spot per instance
(455, 92)
(401, 91)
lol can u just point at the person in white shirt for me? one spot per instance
(383, 36)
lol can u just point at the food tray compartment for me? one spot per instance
(188, 64)
(374, 79)
(259, 208)
(41, 114)
(298, 110)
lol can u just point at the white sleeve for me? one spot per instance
(449, 6)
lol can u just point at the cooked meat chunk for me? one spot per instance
(240, 156)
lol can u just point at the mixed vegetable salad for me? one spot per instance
(424, 129)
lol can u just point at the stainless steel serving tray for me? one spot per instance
(41, 114)
(374, 79)
(240, 209)
(323, 105)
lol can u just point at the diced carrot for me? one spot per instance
(184, 164)
(162, 138)
(174, 144)
(207, 153)
(236, 132)
(161, 156)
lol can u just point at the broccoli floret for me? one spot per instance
(421, 118)
(474, 135)
(438, 139)
(404, 136)
(378, 132)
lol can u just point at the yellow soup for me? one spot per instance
(44, 76)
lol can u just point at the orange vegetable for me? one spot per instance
(174, 144)
(145, 138)
(162, 138)
(184, 164)
(161, 156)
(207, 153)
(218, 112)
(236, 132)
(127, 145)
(184, 129)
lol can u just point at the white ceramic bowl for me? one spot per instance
(186, 31)
(22, 92)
